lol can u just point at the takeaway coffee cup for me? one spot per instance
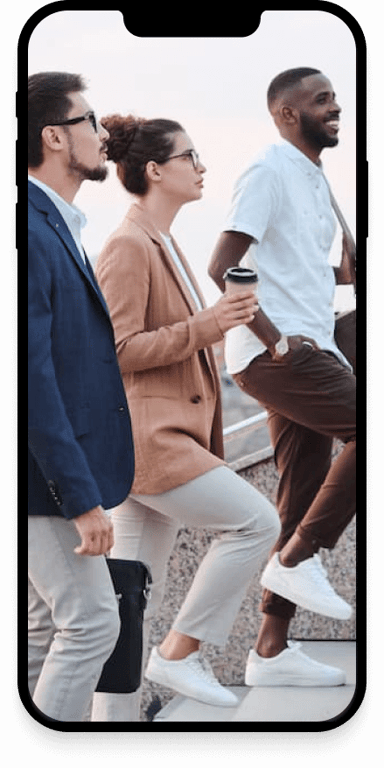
(239, 279)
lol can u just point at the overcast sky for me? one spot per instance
(216, 88)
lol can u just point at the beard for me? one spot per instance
(84, 173)
(315, 134)
(81, 171)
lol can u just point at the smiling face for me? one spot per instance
(319, 112)
(86, 147)
(308, 115)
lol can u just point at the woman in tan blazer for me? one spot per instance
(163, 333)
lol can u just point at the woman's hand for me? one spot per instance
(235, 309)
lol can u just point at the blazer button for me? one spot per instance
(55, 493)
(196, 399)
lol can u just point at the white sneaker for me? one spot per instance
(291, 667)
(306, 585)
(192, 677)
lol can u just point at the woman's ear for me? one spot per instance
(153, 171)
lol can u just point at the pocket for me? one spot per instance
(80, 419)
(301, 354)
(170, 382)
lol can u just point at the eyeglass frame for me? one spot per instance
(188, 153)
(82, 118)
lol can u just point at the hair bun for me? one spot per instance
(122, 132)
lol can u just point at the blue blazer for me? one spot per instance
(80, 440)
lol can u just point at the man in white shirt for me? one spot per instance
(282, 225)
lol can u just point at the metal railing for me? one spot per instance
(241, 429)
(245, 426)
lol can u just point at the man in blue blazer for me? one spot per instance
(80, 458)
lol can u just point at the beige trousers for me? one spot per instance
(73, 619)
(146, 528)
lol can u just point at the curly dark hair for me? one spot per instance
(48, 103)
(133, 142)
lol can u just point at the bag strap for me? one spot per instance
(351, 245)
(344, 226)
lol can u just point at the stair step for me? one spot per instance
(288, 704)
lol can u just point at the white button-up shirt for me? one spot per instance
(282, 201)
(73, 216)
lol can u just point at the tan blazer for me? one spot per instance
(168, 367)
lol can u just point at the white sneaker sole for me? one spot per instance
(229, 700)
(299, 681)
(269, 581)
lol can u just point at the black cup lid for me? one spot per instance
(240, 275)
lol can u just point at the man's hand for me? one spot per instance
(294, 342)
(96, 532)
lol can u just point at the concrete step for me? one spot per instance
(288, 704)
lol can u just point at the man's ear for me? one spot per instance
(52, 138)
(289, 115)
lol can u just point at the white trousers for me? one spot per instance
(73, 619)
(146, 528)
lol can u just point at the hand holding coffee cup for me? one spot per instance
(238, 305)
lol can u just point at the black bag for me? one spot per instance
(345, 335)
(122, 671)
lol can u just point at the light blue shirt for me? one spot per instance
(73, 217)
(282, 201)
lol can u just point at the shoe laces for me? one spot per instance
(321, 575)
(204, 670)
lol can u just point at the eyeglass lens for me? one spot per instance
(93, 121)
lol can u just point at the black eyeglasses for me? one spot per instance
(74, 120)
(189, 153)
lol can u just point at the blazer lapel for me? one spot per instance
(65, 235)
(56, 221)
(136, 214)
(188, 297)
(178, 277)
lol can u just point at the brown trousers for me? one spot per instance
(310, 398)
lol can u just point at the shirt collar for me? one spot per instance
(299, 158)
(73, 216)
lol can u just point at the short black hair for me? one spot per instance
(48, 103)
(286, 80)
